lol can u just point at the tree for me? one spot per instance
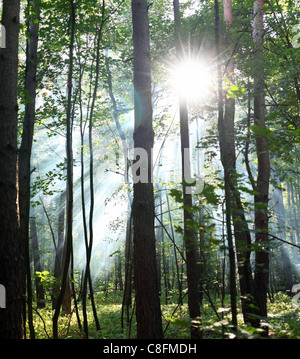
(11, 256)
(263, 171)
(26, 142)
(69, 189)
(224, 152)
(89, 241)
(241, 231)
(148, 312)
(188, 233)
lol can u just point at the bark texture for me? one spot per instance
(148, 312)
(241, 231)
(11, 256)
(263, 172)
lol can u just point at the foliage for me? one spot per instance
(284, 321)
(114, 110)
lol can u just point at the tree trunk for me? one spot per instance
(241, 230)
(179, 282)
(26, 143)
(159, 239)
(148, 312)
(263, 172)
(224, 149)
(89, 240)
(69, 190)
(189, 233)
(11, 252)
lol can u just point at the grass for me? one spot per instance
(283, 321)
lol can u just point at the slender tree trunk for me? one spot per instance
(89, 239)
(263, 172)
(179, 282)
(166, 273)
(69, 192)
(26, 143)
(223, 150)
(73, 292)
(83, 204)
(189, 233)
(159, 234)
(11, 252)
(165, 261)
(148, 312)
(241, 230)
(202, 264)
(202, 260)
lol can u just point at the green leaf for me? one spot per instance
(177, 195)
(235, 91)
(209, 194)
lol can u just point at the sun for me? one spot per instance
(192, 79)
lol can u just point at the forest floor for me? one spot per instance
(283, 321)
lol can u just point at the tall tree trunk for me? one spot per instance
(69, 190)
(241, 230)
(26, 143)
(159, 238)
(11, 255)
(189, 233)
(166, 262)
(263, 172)
(89, 239)
(148, 312)
(223, 150)
(179, 282)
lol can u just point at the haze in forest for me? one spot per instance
(149, 156)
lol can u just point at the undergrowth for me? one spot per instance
(283, 321)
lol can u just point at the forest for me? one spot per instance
(149, 169)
